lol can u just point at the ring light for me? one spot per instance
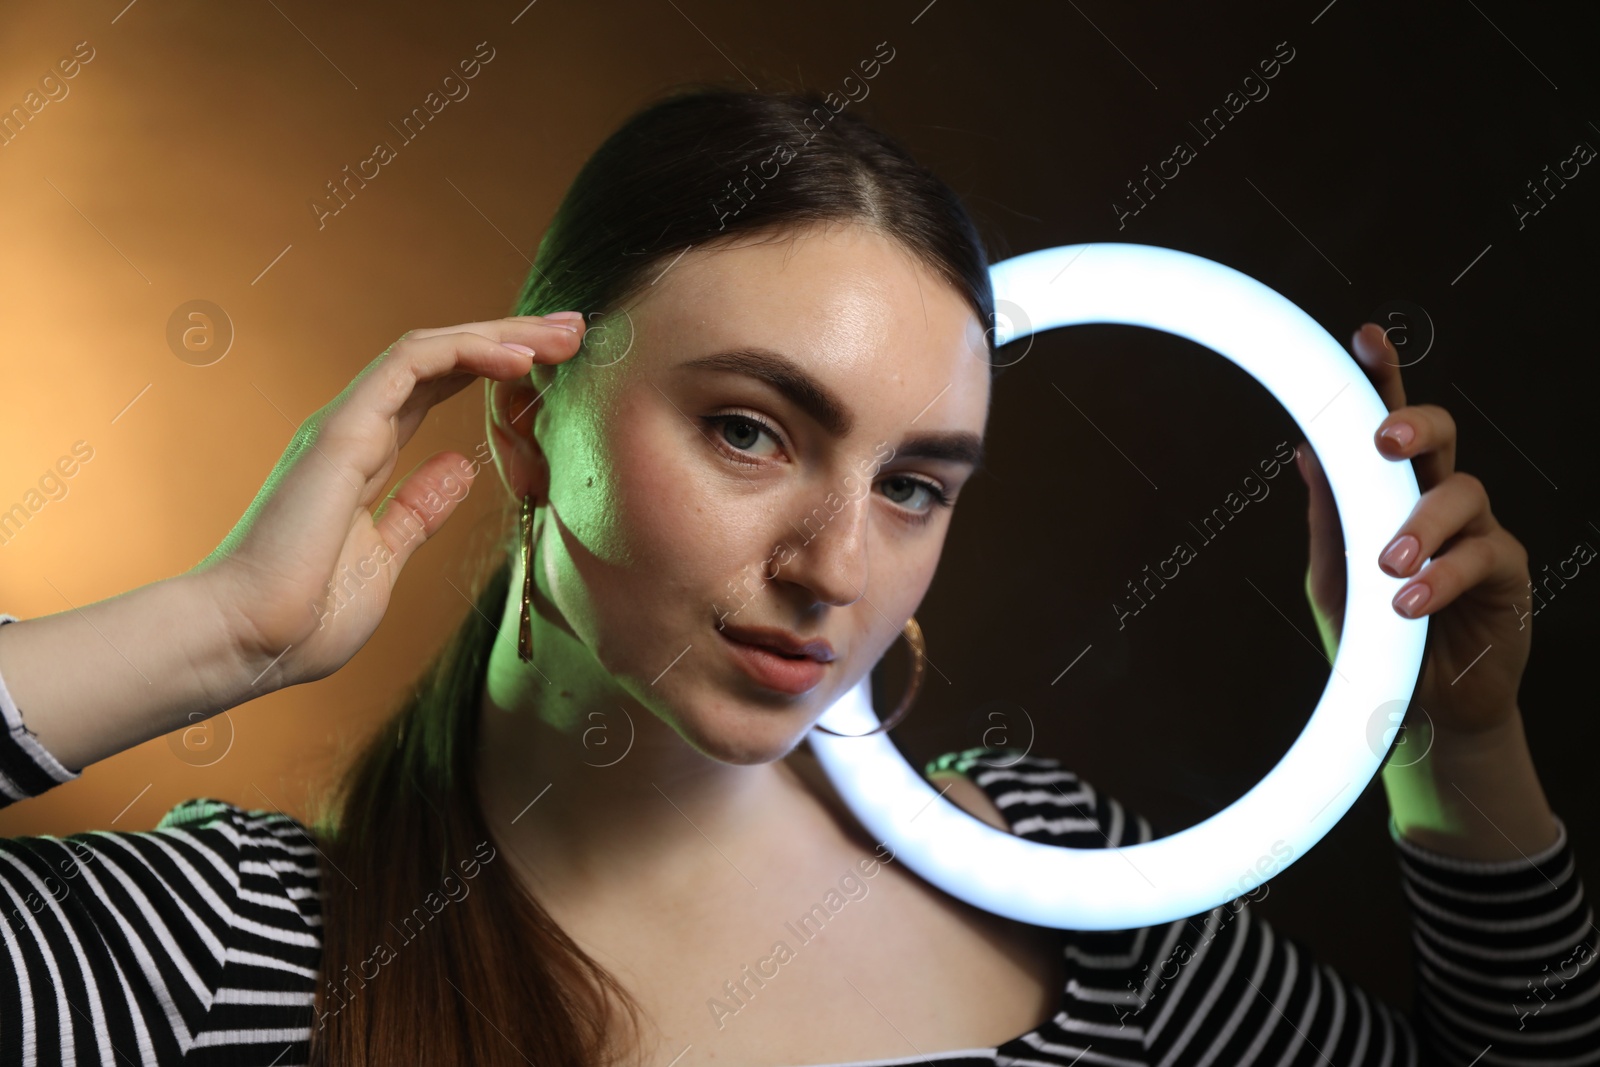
(1378, 658)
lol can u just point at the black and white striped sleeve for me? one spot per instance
(196, 942)
(1504, 956)
(26, 768)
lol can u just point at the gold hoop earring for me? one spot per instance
(525, 631)
(912, 632)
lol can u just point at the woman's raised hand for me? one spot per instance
(306, 573)
(1476, 571)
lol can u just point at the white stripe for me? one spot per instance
(212, 1038)
(1140, 936)
(63, 1011)
(1169, 945)
(1504, 955)
(1489, 1032)
(273, 868)
(1196, 1013)
(1099, 995)
(278, 997)
(225, 911)
(1506, 896)
(1386, 1030)
(1458, 995)
(1307, 1014)
(25, 1006)
(1067, 1053)
(147, 963)
(1460, 973)
(1336, 1024)
(238, 840)
(1035, 823)
(1291, 969)
(147, 1047)
(226, 868)
(1085, 1028)
(1247, 997)
(1118, 823)
(1084, 796)
(1009, 774)
(1502, 1059)
(1364, 1031)
(1492, 926)
(256, 959)
(157, 922)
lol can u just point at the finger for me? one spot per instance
(563, 321)
(1457, 507)
(1381, 362)
(556, 347)
(1432, 442)
(419, 505)
(1327, 536)
(1492, 559)
(365, 421)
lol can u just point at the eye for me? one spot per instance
(747, 428)
(738, 432)
(936, 496)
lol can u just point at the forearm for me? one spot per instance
(1475, 796)
(93, 681)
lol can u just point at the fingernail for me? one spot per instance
(1411, 600)
(524, 349)
(1400, 433)
(1398, 556)
(570, 316)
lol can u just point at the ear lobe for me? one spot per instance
(510, 411)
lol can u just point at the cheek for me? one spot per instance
(650, 531)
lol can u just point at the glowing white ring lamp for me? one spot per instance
(1378, 659)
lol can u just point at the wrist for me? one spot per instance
(232, 668)
(1472, 794)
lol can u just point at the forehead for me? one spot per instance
(852, 305)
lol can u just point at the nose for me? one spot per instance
(830, 551)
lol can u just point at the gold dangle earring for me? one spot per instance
(912, 632)
(525, 633)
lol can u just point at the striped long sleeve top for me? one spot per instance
(198, 943)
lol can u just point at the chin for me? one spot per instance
(745, 735)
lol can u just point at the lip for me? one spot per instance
(817, 648)
(793, 676)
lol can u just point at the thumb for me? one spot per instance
(421, 503)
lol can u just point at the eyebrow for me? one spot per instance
(799, 387)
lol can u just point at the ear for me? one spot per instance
(511, 410)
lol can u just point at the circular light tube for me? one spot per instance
(1378, 659)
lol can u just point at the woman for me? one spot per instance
(781, 383)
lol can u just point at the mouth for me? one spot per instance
(771, 668)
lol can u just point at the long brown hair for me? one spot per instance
(442, 956)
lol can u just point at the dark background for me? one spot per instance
(1379, 174)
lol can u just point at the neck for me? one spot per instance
(589, 790)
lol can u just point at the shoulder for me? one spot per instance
(208, 813)
(211, 881)
(264, 862)
(1034, 797)
(248, 840)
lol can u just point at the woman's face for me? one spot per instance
(674, 516)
